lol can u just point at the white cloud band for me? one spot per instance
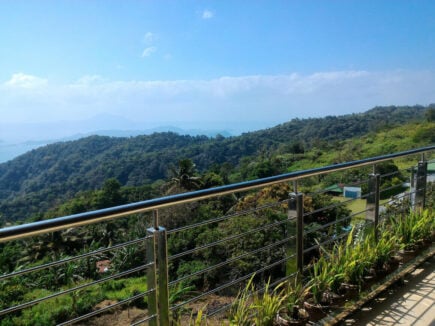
(256, 98)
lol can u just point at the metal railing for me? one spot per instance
(168, 265)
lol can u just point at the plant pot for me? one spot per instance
(407, 255)
(315, 311)
(383, 271)
(349, 291)
(388, 267)
(336, 300)
(369, 281)
(392, 264)
(423, 244)
(299, 316)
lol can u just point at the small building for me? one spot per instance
(352, 192)
(334, 190)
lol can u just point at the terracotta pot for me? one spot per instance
(315, 311)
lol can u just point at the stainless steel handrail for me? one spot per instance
(60, 223)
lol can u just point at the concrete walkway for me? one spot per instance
(411, 303)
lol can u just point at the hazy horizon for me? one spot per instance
(75, 67)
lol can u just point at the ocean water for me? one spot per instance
(9, 151)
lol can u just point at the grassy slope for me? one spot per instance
(389, 141)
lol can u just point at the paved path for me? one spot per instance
(412, 303)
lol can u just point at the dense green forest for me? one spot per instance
(98, 172)
(46, 177)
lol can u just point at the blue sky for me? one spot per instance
(213, 64)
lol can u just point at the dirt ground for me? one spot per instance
(128, 315)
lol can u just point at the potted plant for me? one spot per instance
(426, 225)
(356, 256)
(385, 249)
(254, 307)
(266, 305)
(336, 258)
(412, 229)
(322, 276)
(293, 313)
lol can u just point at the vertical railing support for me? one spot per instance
(296, 205)
(412, 188)
(151, 275)
(163, 288)
(373, 201)
(157, 275)
(420, 185)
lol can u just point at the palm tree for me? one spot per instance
(183, 177)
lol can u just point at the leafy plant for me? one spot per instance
(200, 319)
(348, 261)
(385, 247)
(412, 227)
(359, 256)
(266, 305)
(322, 278)
(179, 293)
(337, 260)
(296, 292)
(253, 307)
(241, 310)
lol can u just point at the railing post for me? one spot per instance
(296, 206)
(420, 185)
(151, 275)
(163, 292)
(373, 201)
(412, 188)
(157, 276)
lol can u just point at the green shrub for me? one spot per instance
(413, 227)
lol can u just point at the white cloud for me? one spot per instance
(25, 81)
(89, 79)
(207, 14)
(225, 101)
(148, 51)
(150, 37)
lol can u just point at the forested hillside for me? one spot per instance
(46, 177)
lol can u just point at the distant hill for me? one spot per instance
(46, 176)
(12, 149)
